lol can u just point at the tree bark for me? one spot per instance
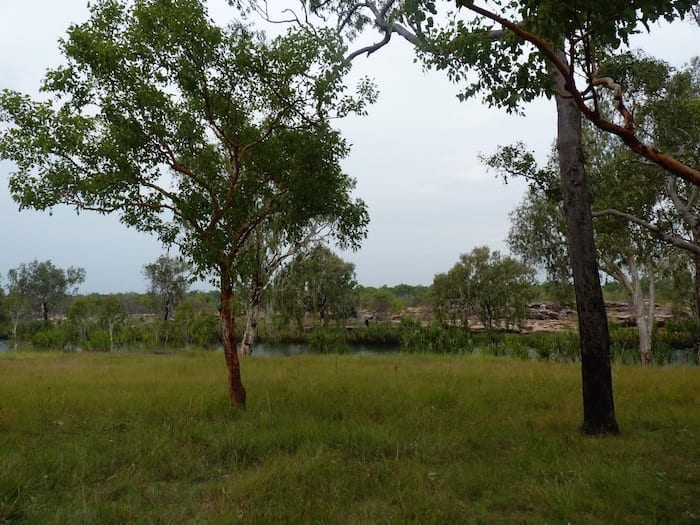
(644, 318)
(251, 325)
(696, 278)
(236, 390)
(598, 405)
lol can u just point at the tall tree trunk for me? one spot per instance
(251, 324)
(641, 313)
(651, 310)
(598, 405)
(111, 337)
(696, 268)
(228, 339)
(696, 260)
(696, 277)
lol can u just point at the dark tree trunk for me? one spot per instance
(598, 405)
(228, 339)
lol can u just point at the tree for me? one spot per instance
(189, 131)
(522, 50)
(508, 80)
(111, 314)
(270, 247)
(168, 279)
(380, 301)
(496, 288)
(628, 253)
(19, 310)
(537, 231)
(43, 284)
(316, 282)
(81, 315)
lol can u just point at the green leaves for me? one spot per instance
(493, 287)
(194, 132)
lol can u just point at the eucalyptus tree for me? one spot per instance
(270, 247)
(316, 282)
(81, 316)
(675, 123)
(187, 130)
(629, 253)
(112, 314)
(19, 310)
(521, 50)
(548, 48)
(495, 288)
(168, 281)
(43, 284)
(666, 105)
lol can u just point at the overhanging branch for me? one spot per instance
(626, 133)
(658, 232)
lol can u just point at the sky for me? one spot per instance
(414, 156)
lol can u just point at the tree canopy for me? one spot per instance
(484, 283)
(43, 284)
(190, 131)
(168, 280)
(316, 282)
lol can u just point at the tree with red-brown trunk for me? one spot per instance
(196, 133)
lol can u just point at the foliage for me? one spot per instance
(44, 285)
(51, 338)
(327, 341)
(318, 283)
(376, 334)
(190, 131)
(627, 199)
(519, 47)
(495, 288)
(168, 280)
(381, 303)
(433, 338)
(184, 107)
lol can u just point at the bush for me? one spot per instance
(517, 346)
(434, 338)
(375, 334)
(51, 338)
(98, 341)
(327, 341)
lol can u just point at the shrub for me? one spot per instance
(327, 341)
(434, 338)
(98, 341)
(51, 338)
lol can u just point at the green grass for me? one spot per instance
(340, 439)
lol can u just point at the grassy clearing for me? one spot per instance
(340, 439)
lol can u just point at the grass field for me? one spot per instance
(340, 439)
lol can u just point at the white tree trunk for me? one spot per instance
(250, 334)
(644, 315)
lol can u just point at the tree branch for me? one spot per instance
(625, 133)
(658, 232)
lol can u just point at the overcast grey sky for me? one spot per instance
(414, 157)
